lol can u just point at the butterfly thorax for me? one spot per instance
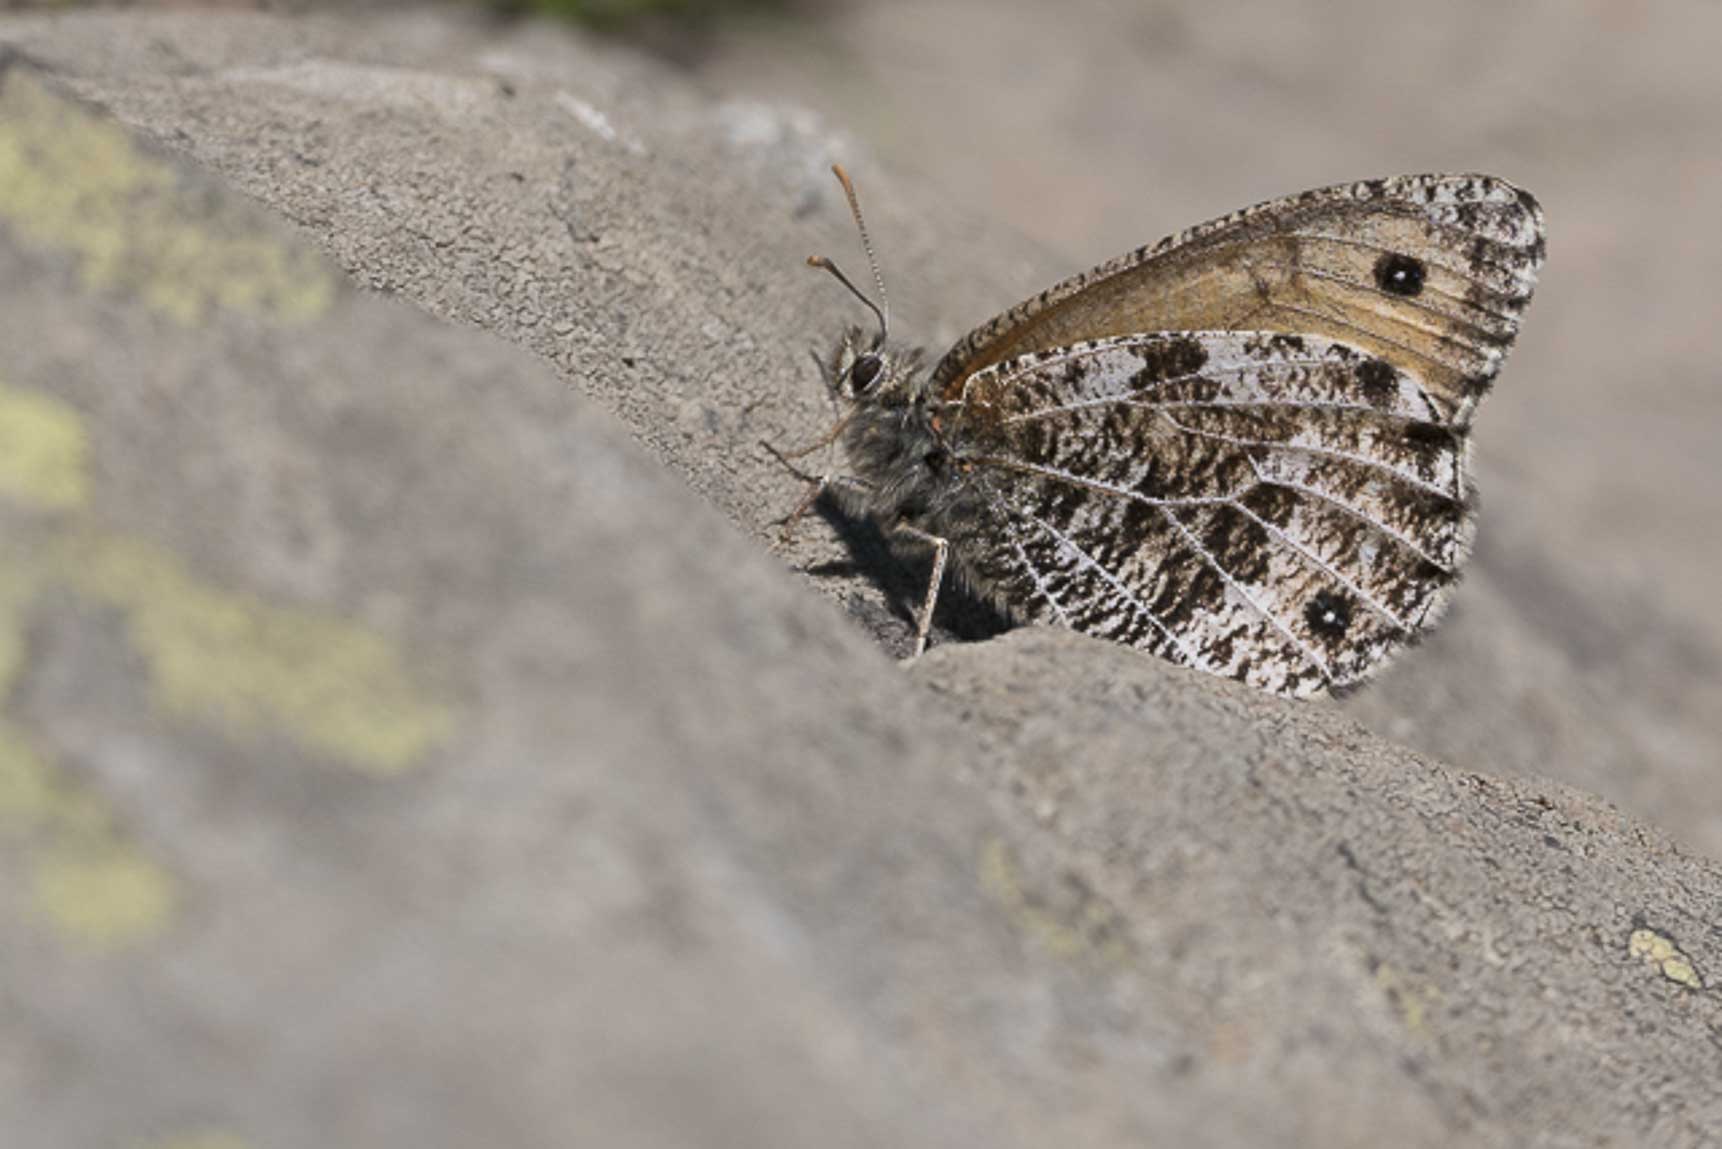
(893, 440)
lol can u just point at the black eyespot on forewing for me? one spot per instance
(865, 373)
(1328, 614)
(937, 460)
(1400, 274)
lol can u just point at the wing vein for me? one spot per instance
(1112, 580)
(1040, 583)
(1371, 334)
(1326, 452)
(1268, 616)
(1346, 241)
(1092, 484)
(999, 506)
(1053, 358)
(1417, 304)
(1130, 396)
(1214, 405)
(1316, 560)
(1373, 523)
(1163, 505)
(1247, 242)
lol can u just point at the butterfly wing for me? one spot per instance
(1288, 510)
(1431, 272)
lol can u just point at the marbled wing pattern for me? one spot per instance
(1282, 509)
(1243, 448)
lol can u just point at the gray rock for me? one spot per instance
(393, 753)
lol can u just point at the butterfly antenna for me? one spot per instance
(821, 262)
(882, 309)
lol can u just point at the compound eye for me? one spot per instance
(865, 373)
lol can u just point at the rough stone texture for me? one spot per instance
(393, 753)
(1438, 951)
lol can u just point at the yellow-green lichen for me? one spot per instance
(216, 657)
(18, 580)
(1660, 952)
(1089, 926)
(25, 794)
(248, 667)
(85, 878)
(1413, 998)
(73, 182)
(42, 451)
(102, 894)
(227, 659)
(76, 186)
(199, 1139)
(26, 786)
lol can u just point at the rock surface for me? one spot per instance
(395, 753)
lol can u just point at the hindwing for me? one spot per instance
(1284, 509)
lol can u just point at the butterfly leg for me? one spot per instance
(856, 489)
(817, 485)
(941, 547)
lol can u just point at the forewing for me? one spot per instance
(1431, 272)
(1285, 510)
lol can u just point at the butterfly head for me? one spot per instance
(863, 370)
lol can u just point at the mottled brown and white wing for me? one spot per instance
(1431, 272)
(1288, 510)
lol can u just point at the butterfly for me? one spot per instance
(1243, 448)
